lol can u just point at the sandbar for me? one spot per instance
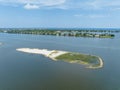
(57, 54)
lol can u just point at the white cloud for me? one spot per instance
(30, 6)
(33, 4)
(104, 4)
(64, 4)
(93, 4)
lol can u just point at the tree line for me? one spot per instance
(71, 33)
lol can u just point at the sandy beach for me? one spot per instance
(48, 53)
(100, 66)
(101, 62)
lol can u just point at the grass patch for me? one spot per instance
(79, 57)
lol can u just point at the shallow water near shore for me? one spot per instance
(22, 71)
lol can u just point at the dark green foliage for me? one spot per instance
(70, 33)
(78, 57)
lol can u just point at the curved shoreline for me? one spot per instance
(53, 54)
(101, 63)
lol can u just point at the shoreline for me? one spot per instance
(86, 33)
(53, 54)
(47, 53)
(101, 63)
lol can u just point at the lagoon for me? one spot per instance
(22, 71)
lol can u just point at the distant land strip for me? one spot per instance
(70, 33)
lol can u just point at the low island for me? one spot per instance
(86, 33)
(90, 61)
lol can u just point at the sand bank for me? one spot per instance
(53, 54)
(48, 53)
(100, 63)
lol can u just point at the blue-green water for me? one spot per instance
(22, 71)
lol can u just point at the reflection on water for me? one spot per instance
(22, 71)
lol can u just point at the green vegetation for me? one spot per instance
(106, 35)
(89, 33)
(90, 60)
(70, 33)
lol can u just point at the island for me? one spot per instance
(90, 61)
(65, 32)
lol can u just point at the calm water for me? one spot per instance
(22, 71)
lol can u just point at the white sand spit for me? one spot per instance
(48, 53)
(55, 53)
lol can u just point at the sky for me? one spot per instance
(60, 13)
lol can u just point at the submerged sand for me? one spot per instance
(53, 54)
(48, 53)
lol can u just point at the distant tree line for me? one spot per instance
(1, 31)
(71, 33)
